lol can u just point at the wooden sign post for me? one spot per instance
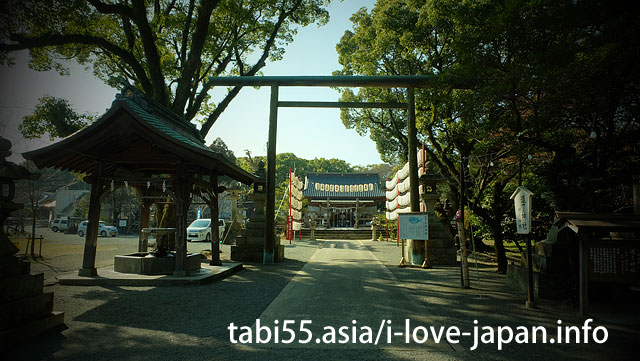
(522, 202)
(412, 225)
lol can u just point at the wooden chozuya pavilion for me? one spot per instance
(140, 143)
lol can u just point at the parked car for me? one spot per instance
(200, 229)
(60, 224)
(103, 229)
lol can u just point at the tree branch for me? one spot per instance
(128, 31)
(195, 52)
(256, 67)
(170, 7)
(51, 39)
(151, 51)
(185, 34)
(449, 166)
(197, 103)
(105, 8)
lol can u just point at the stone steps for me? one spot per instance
(25, 310)
(364, 233)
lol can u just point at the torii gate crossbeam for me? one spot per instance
(409, 82)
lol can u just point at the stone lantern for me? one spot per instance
(9, 173)
(428, 184)
(26, 309)
(250, 246)
(440, 248)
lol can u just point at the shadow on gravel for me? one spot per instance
(204, 310)
(200, 314)
(493, 304)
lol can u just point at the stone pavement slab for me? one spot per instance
(108, 277)
(345, 285)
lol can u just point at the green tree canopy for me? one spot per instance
(220, 146)
(168, 49)
(55, 117)
(549, 74)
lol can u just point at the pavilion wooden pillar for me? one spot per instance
(91, 239)
(215, 215)
(357, 215)
(328, 225)
(269, 234)
(182, 192)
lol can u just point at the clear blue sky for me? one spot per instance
(309, 133)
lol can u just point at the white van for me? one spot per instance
(60, 224)
(200, 229)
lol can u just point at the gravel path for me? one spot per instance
(161, 323)
(190, 322)
(493, 304)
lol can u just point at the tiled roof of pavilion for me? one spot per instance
(343, 186)
(161, 118)
(137, 134)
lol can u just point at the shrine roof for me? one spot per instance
(585, 222)
(342, 186)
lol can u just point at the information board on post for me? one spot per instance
(414, 225)
(522, 203)
(613, 261)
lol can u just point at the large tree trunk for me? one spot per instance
(494, 219)
(501, 254)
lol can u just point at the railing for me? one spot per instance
(28, 239)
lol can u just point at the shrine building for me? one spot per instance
(345, 200)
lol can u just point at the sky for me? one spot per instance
(307, 132)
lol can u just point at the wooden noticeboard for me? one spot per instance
(613, 261)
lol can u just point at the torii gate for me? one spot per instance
(409, 82)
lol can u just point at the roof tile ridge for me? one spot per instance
(151, 105)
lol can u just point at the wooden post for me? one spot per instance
(269, 234)
(182, 192)
(91, 240)
(387, 229)
(357, 220)
(215, 215)
(583, 265)
(425, 264)
(530, 291)
(181, 253)
(328, 215)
